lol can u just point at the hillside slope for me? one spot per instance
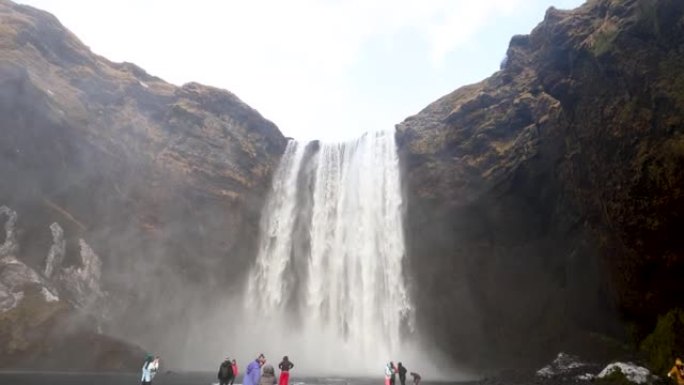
(165, 183)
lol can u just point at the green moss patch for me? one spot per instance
(666, 342)
(616, 377)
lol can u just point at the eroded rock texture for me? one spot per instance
(547, 201)
(165, 183)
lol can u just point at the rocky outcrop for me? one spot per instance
(57, 250)
(49, 335)
(9, 246)
(37, 325)
(15, 276)
(82, 282)
(165, 183)
(545, 203)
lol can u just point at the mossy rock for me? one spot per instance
(604, 42)
(616, 377)
(666, 342)
(21, 327)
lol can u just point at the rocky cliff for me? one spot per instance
(164, 183)
(545, 204)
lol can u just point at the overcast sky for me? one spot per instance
(319, 69)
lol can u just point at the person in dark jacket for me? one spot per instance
(402, 373)
(393, 377)
(416, 378)
(225, 372)
(285, 365)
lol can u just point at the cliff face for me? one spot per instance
(547, 201)
(165, 183)
(544, 203)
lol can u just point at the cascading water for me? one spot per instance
(329, 268)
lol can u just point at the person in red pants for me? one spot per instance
(285, 365)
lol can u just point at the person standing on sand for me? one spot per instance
(225, 372)
(677, 372)
(268, 376)
(393, 377)
(416, 378)
(149, 369)
(388, 373)
(234, 365)
(253, 372)
(402, 373)
(285, 365)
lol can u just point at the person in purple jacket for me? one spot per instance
(253, 372)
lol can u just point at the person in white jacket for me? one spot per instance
(149, 369)
(389, 372)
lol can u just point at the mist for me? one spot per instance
(327, 287)
(315, 352)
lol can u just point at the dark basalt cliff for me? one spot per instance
(546, 203)
(165, 183)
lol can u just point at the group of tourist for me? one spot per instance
(257, 373)
(260, 373)
(392, 370)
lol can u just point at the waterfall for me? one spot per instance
(330, 260)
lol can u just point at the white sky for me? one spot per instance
(319, 69)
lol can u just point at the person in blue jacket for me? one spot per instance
(253, 372)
